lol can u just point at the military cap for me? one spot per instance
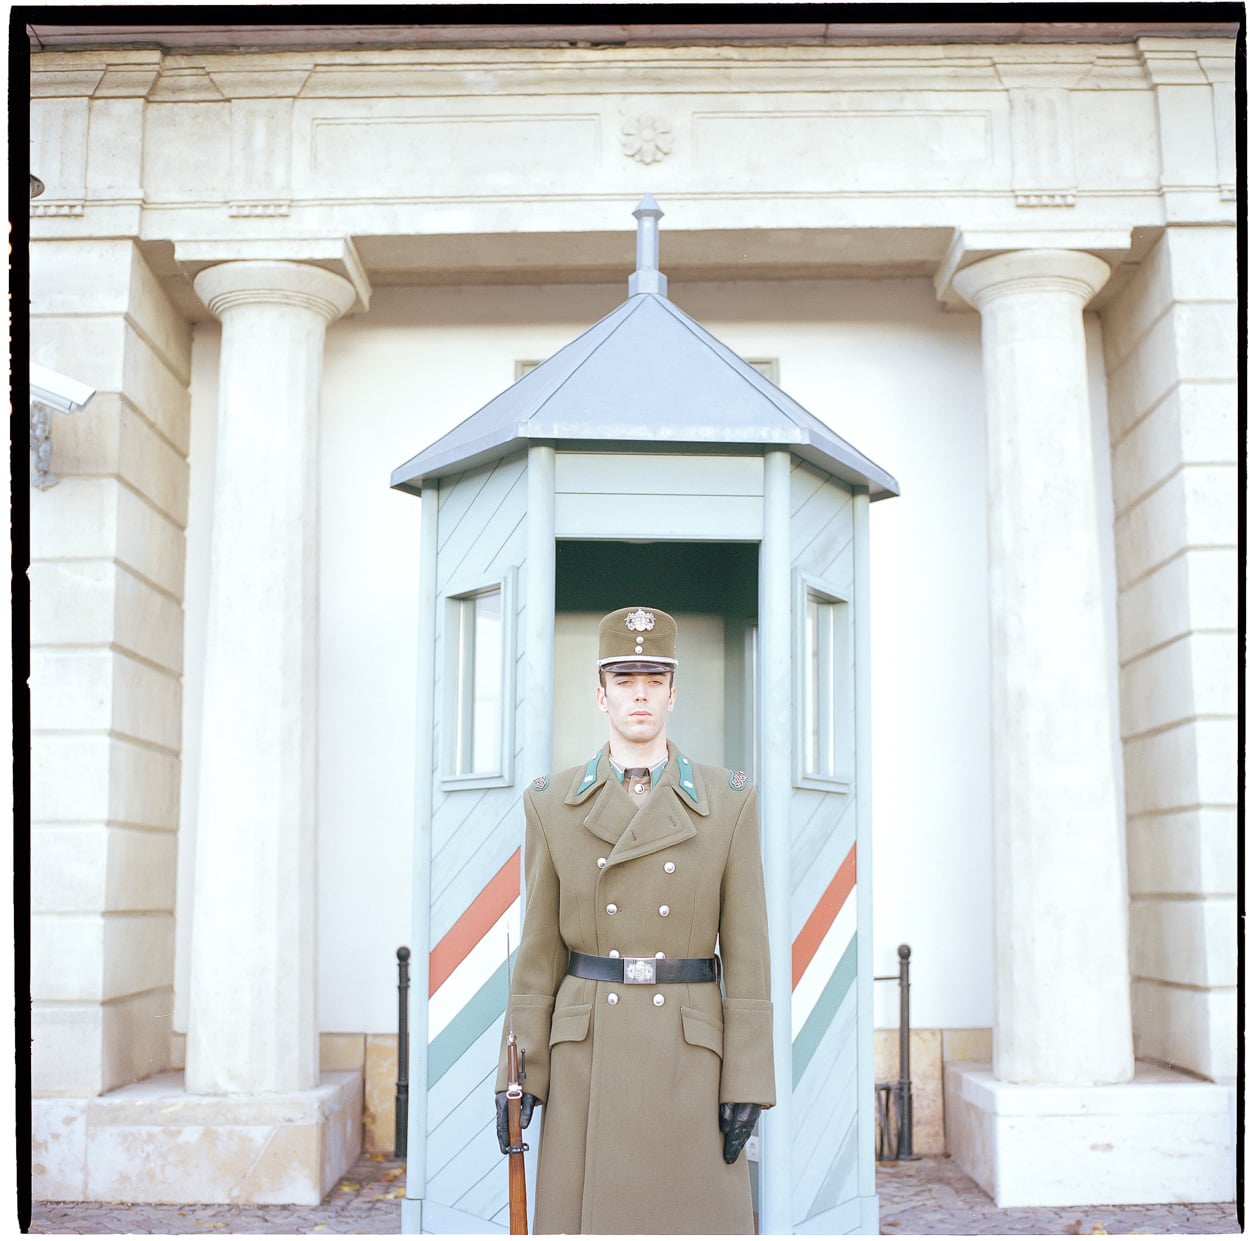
(638, 640)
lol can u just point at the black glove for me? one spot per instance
(737, 1121)
(501, 1116)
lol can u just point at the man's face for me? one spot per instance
(637, 704)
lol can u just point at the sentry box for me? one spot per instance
(645, 452)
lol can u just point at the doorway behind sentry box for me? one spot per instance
(712, 589)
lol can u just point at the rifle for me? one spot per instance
(518, 1221)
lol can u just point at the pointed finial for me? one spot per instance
(648, 278)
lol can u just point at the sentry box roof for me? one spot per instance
(645, 374)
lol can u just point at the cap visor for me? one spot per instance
(636, 665)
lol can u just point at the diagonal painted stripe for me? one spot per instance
(821, 919)
(486, 909)
(468, 1025)
(474, 971)
(839, 1183)
(808, 991)
(836, 990)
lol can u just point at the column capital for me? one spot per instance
(1073, 272)
(251, 282)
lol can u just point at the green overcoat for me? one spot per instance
(631, 1076)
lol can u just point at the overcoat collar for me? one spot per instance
(662, 820)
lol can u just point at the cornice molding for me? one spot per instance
(647, 36)
(393, 72)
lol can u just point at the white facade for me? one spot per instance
(842, 210)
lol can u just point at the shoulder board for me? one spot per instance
(738, 780)
(542, 782)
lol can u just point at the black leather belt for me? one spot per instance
(644, 969)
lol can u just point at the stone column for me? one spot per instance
(1060, 896)
(252, 1018)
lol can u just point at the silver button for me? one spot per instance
(638, 788)
(669, 867)
(660, 956)
(613, 998)
(658, 1001)
(601, 863)
(614, 953)
(612, 908)
(688, 784)
(664, 911)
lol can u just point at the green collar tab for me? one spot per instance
(592, 774)
(685, 776)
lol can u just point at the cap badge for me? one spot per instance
(641, 619)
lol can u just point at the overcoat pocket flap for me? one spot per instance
(570, 1025)
(702, 1030)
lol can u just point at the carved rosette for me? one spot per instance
(647, 139)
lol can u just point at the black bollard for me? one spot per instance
(401, 1082)
(904, 1053)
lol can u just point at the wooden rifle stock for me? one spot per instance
(518, 1216)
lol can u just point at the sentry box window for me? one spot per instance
(825, 692)
(480, 641)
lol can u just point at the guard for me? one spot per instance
(650, 1055)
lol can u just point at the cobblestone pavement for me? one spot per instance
(930, 1196)
(933, 1196)
(365, 1202)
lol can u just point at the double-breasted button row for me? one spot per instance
(669, 867)
(612, 907)
(657, 999)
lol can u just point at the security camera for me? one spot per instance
(57, 390)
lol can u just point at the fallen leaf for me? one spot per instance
(1073, 1228)
(1099, 1230)
(348, 1187)
(216, 1223)
(395, 1193)
(319, 1227)
(376, 1158)
(393, 1175)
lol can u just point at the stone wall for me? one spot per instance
(930, 1051)
(106, 575)
(1172, 375)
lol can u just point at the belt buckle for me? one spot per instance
(639, 969)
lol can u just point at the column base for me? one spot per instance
(154, 1142)
(1163, 1137)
